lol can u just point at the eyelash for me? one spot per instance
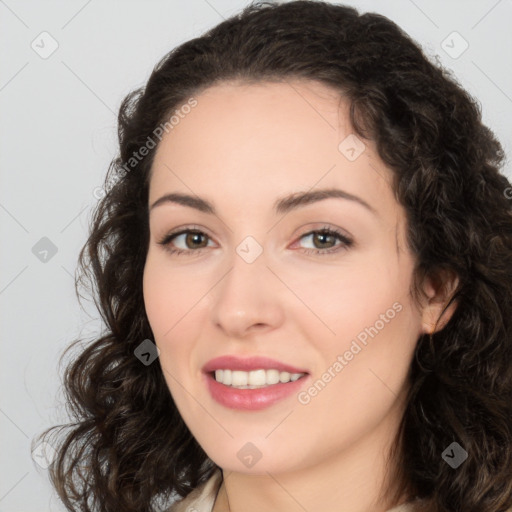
(346, 242)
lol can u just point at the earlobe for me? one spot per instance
(434, 319)
(438, 291)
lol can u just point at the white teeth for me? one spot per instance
(255, 378)
(239, 378)
(272, 376)
(284, 377)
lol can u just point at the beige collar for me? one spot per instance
(203, 497)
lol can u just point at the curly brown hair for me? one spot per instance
(128, 448)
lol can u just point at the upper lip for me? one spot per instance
(248, 363)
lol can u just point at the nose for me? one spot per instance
(248, 299)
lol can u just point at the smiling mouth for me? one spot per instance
(254, 379)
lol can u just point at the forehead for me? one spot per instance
(248, 141)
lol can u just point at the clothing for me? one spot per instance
(202, 498)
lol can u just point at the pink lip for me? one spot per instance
(248, 364)
(251, 399)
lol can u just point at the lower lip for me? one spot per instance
(251, 399)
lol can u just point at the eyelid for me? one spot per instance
(168, 236)
(187, 228)
(346, 240)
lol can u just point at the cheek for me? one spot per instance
(163, 310)
(170, 296)
(376, 325)
(173, 301)
(345, 299)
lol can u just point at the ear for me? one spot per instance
(439, 289)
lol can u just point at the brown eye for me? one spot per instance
(193, 238)
(189, 240)
(324, 241)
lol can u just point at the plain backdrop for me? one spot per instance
(58, 136)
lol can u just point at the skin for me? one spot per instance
(242, 147)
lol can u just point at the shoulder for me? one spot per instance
(202, 498)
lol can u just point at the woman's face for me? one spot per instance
(264, 281)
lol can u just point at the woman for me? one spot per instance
(304, 261)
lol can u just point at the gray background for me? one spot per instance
(58, 135)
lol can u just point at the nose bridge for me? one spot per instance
(247, 276)
(244, 296)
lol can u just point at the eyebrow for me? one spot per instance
(281, 206)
